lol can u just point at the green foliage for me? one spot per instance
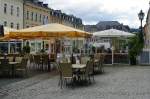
(26, 49)
(42, 51)
(135, 46)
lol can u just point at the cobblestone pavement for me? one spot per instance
(117, 83)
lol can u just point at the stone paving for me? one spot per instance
(117, 83)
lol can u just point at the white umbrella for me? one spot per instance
(113, 33)
(106, 45)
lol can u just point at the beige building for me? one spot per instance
(57, 16)
(147, 31)
(11, 13)
(35, 13)
(145, 55)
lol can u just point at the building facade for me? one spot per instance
(144, 57)
(147, 31)
(20, 14)
(35, 13)
(57, 16)
(11, 13)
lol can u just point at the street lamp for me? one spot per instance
(141, 17)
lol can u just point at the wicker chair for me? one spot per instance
(97, 56)
(67, 73)
(22, 66)
(84, 60)
(5, 67)
(102, 57)
(45, 60)
(98, 63)
(60, 73)
(32, 62)
(64, 60)
(38, 61)
(18, 59)
(11, 58)
(88, 73)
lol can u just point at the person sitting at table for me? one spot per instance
(72, 59)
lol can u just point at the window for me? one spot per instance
(5, 23)
(36, 17)
(18, 26)
(5, 8)
(27, 15)
(18, 11)
(43, 19)
(40, 18)
(11, 11)
(47, 19)
(32, 16)
(12, 25)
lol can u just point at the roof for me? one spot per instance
(111, 23)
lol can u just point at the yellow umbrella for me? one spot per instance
(49, 30)
(6, 33)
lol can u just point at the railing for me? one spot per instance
(119, 58)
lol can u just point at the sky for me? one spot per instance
(93, 11)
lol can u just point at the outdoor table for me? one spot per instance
(13, 67)
(78, 66)
(96, 60)
(2, 58)
(77, 70)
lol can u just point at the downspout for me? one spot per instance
(23, 13)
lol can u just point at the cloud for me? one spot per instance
(93, 11)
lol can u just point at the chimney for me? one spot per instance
(45, 5)
(40, 3)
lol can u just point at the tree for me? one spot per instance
(136, 45)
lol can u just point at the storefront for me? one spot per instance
(10, 47)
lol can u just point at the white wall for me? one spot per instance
(12, 18)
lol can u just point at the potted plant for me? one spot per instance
(26, 49)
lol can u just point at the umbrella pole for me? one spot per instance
(43, 45)
(112, 55)
(113, 45)
(8, 47)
